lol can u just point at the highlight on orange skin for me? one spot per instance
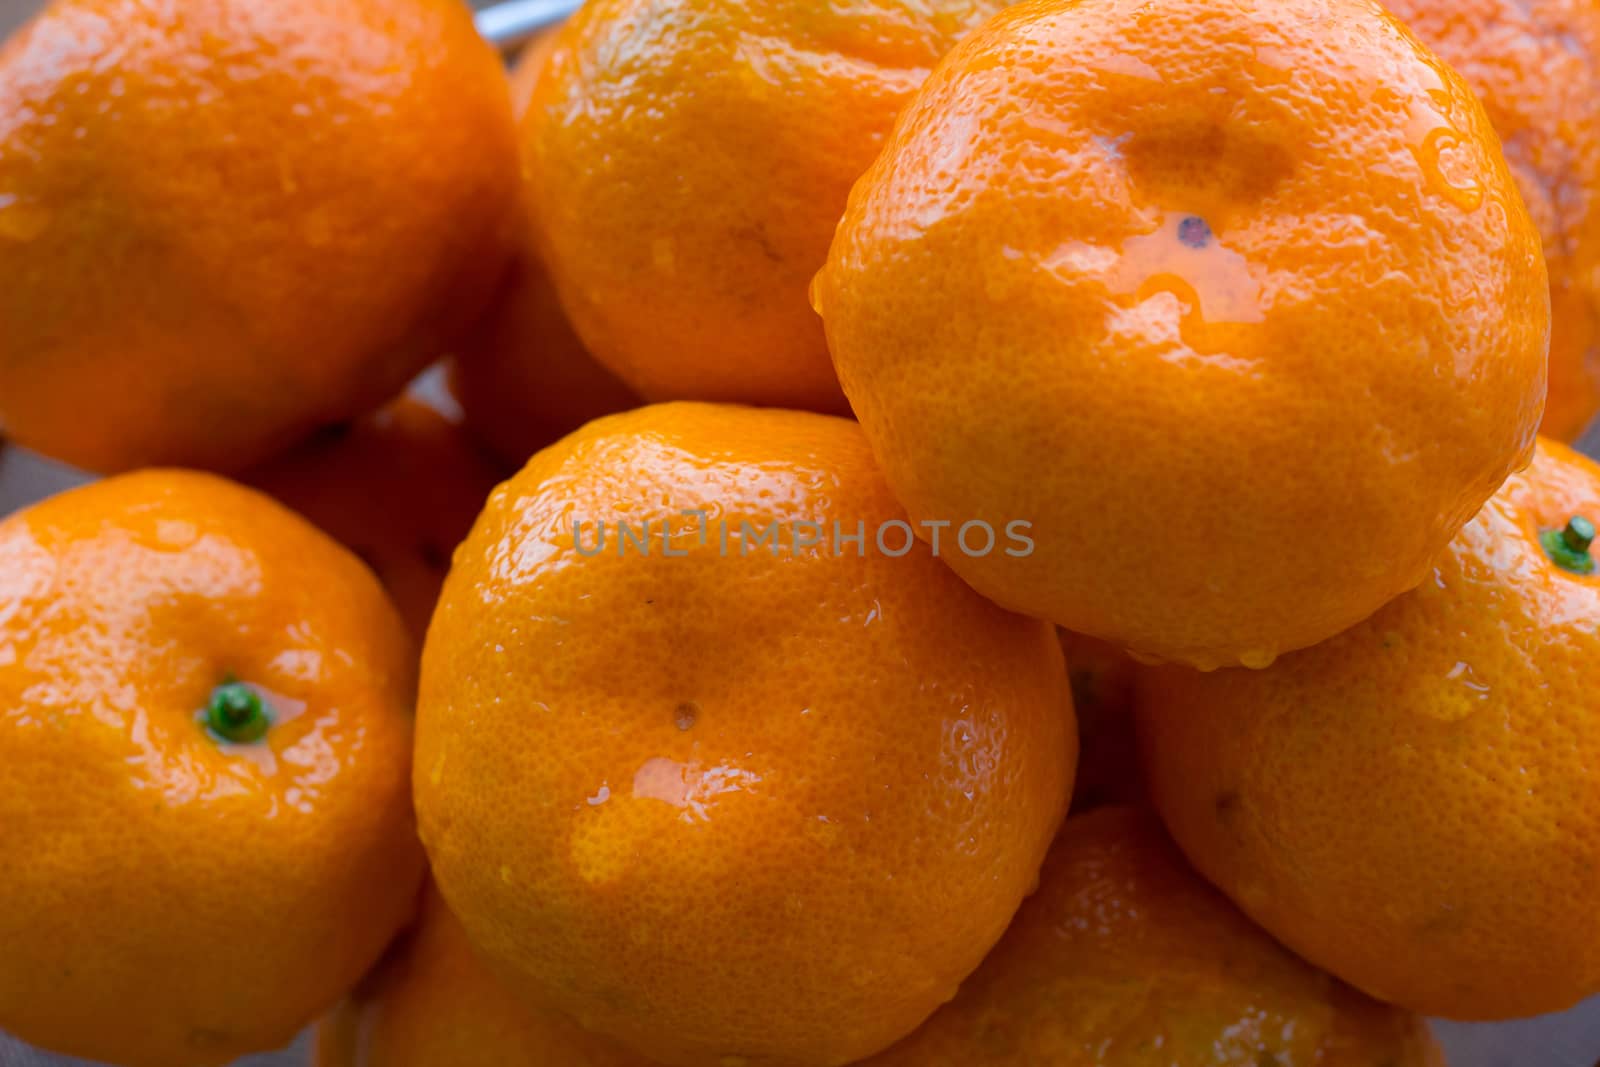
(1535, 64)
(184, 883)
(873, 754)
(1183, 289)
(1412, 805)
(400, 488)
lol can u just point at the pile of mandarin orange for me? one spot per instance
(886, 378)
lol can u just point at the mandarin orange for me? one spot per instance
(523, 379)
(1535, 64)
(688, 161)
(725, 787)
(1126, 958)
(205, 731)
(1190, 289)
(399, 488)
(224, 224)
(1414, 805)
(434, 1003)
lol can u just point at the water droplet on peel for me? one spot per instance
(601, 795)
(1257, 659)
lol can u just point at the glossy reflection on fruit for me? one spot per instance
(1124, 957)
(224, 224)
(399, 488)
(712, 788)
(434, 1003)
(1535, 64)
(205, 740)
(688, 161)
(1236, 304)
(1414, 804)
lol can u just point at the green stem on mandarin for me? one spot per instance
(237, 714)
(1568, 548)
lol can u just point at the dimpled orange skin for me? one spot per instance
(400, 488)
(1189, 288)
(1102, 678)
(755, 809)
(239, 220)
(1413, 805)
(688, 161)
(434, 1003)
(523, 378)
(1126, 958)
(1535, 64)
(171, 899)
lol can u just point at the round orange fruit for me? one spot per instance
(523, 378)
(688, 161)
(713, 780)
(1414, 804)
(1535, 64)
(1126, 958)
(223, 225)
(434, 1003)
(205, 731)
(399, 488)
(1189, 293)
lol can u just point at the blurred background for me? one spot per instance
(1571, 1039)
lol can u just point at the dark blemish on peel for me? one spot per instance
(1194, 232)
(685, 715)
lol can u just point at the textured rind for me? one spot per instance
(688, 161)
(1227, 449)
(766, 808)
(1413, 804)
(1535, 64)
(225, 224)
(1124, 957)
(169, 900)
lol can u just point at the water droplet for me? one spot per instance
(601, 795)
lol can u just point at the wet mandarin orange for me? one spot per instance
(688, 161)
(434, 1003)
(714, 791)
(238, 221)
(523, 378)
(1413, 804)
(1187, 289)
(205, 730)
(1102, 678)
(1535, 64)
(400, 488)
(1126, 958)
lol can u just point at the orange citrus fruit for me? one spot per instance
(723, 786)
(1102, 678)
(237, 220)
(434, 1003)
(688, 161)
(1535, 64)
(205, 730)
(399, 488)
(1126, 958)
(523, 378)
(1186, 290)
(1413, 804)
